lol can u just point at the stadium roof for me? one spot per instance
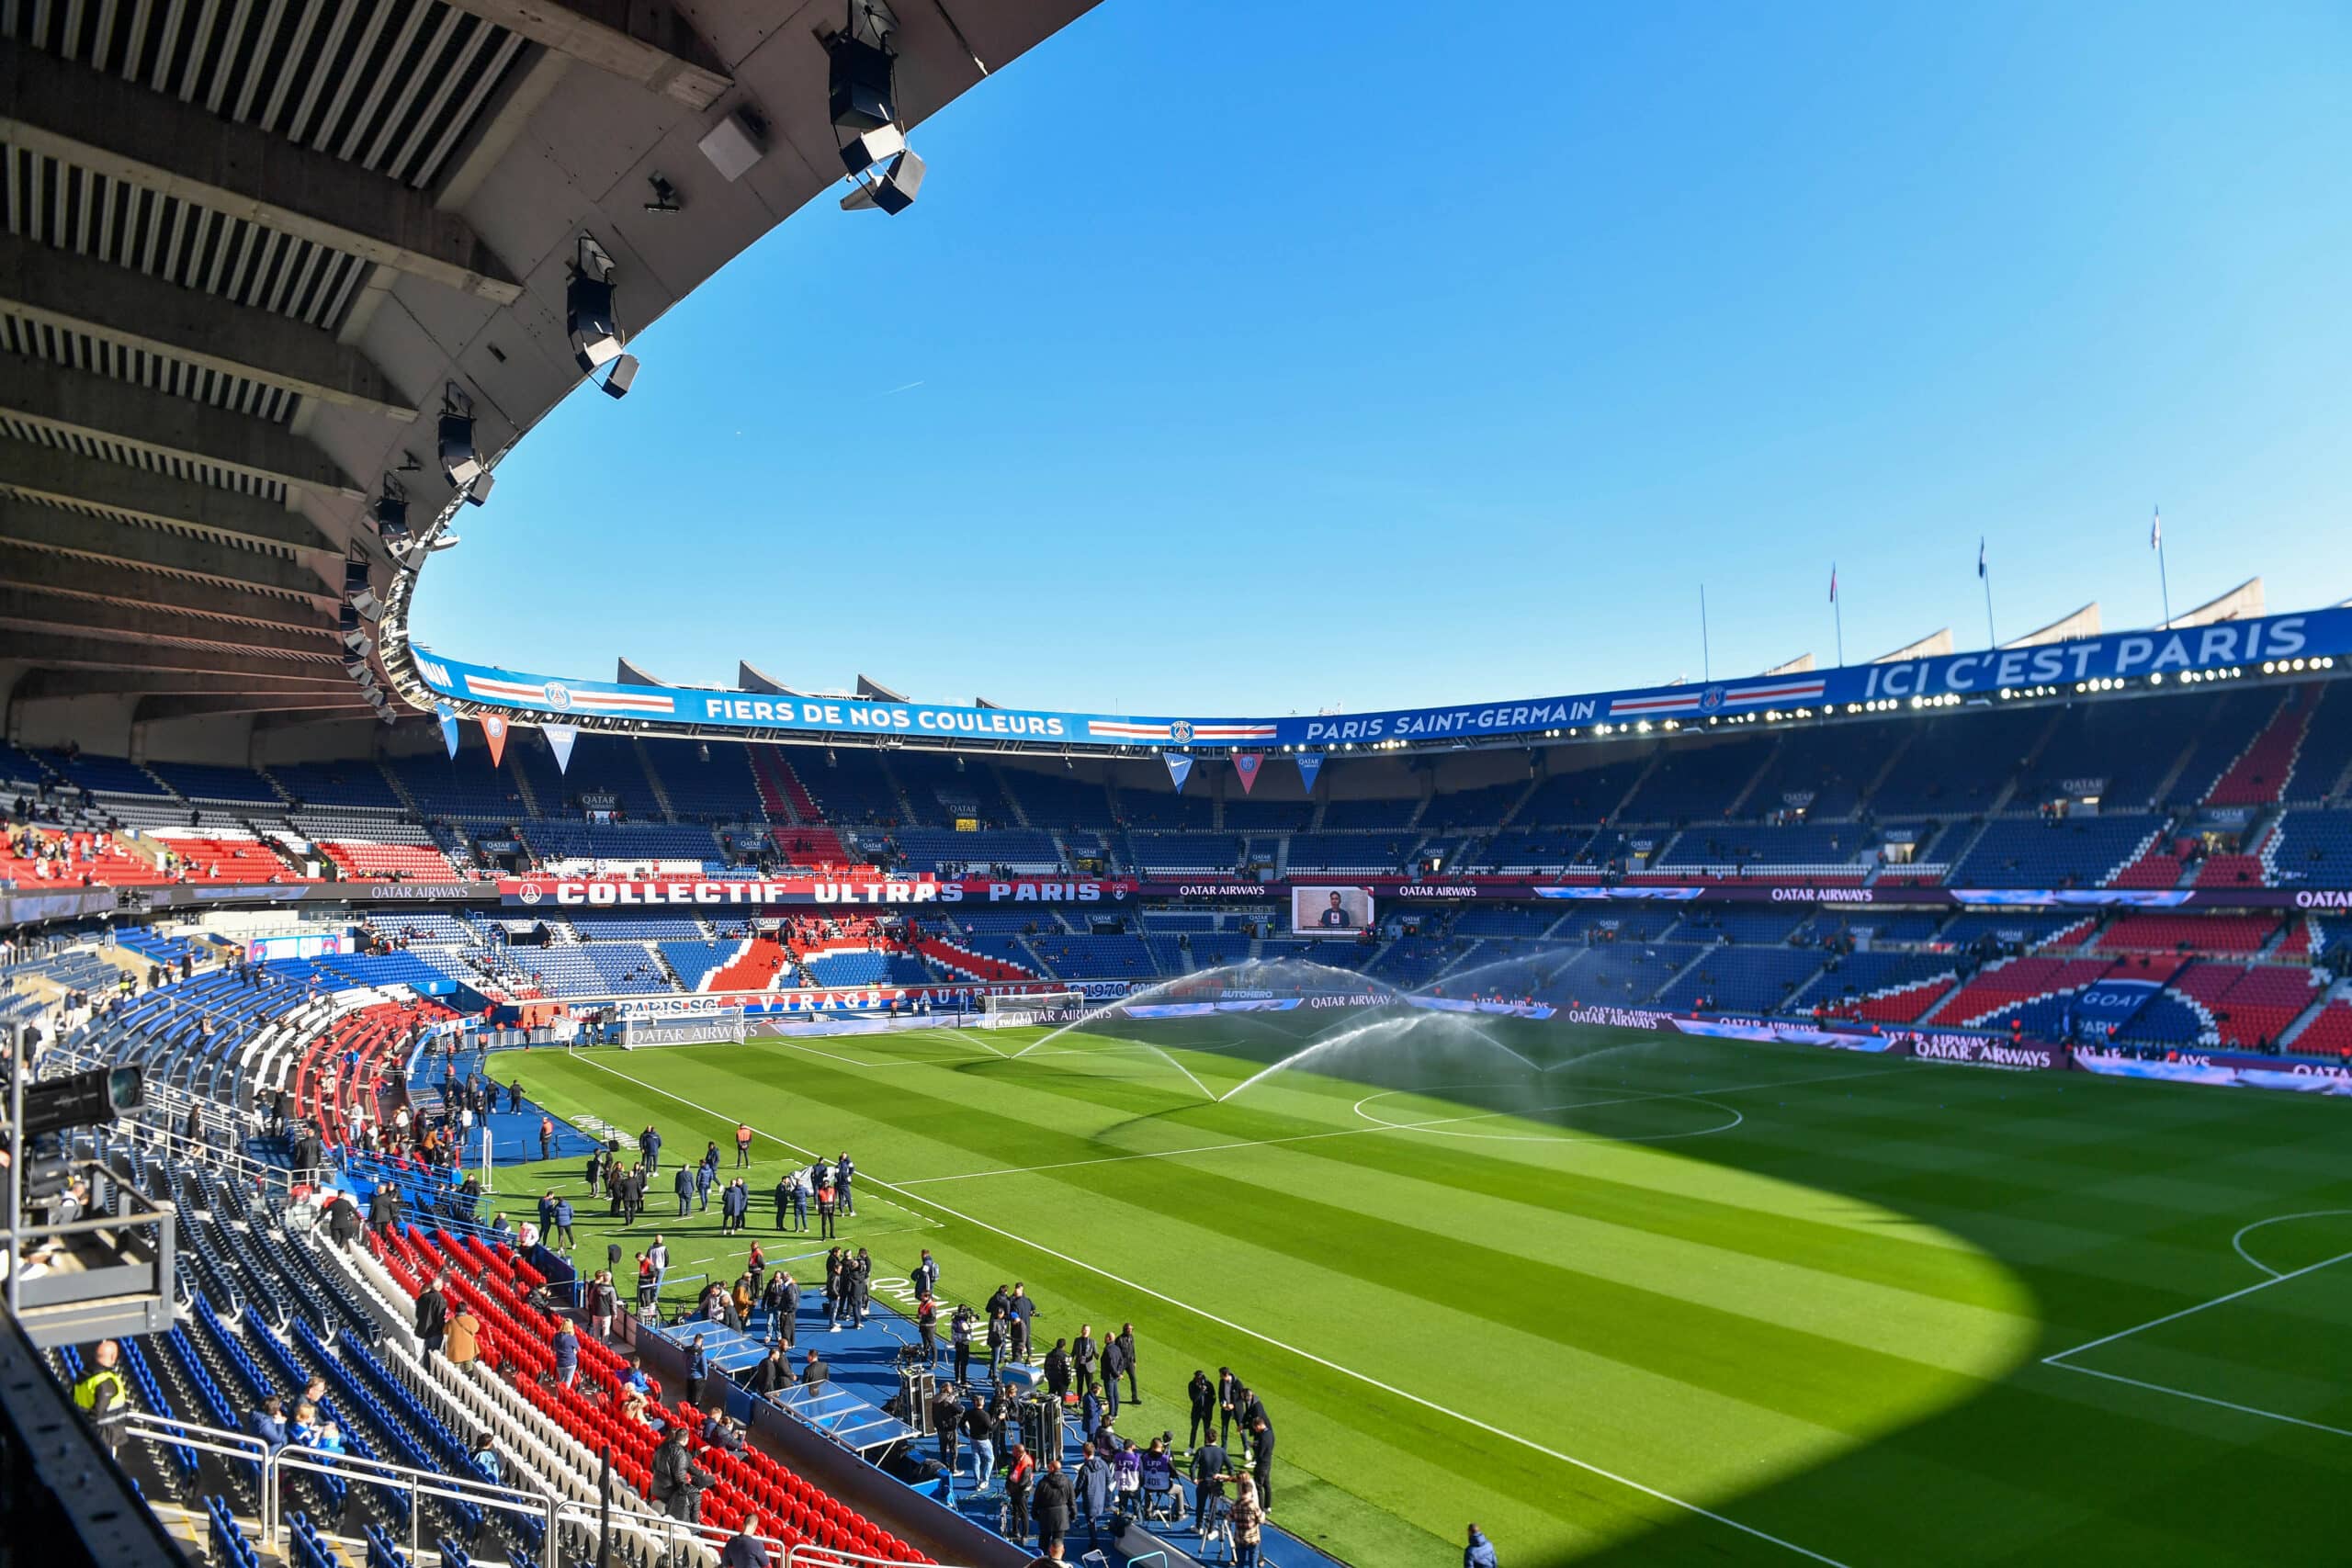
(244, 255)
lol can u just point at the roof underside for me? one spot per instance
(245, 244)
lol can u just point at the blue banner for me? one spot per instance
(1179, 768)
(449, 718)
(2310, 641)
(1309, 765)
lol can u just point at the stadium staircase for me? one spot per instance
(401, 791)
(2259, 776)
(782, 794)
(1738, 806)
(1020, 813)
(654, 779)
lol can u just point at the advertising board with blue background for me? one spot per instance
(2117, 656)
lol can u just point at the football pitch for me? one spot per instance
(1617, 1297)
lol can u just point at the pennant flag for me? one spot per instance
(1246, 764)
(1833, 582)
(559, 740)
(2156, 531)
(1980, 555)
(449, 726)
(493, 730)
(1309, 765)
(1179, 768)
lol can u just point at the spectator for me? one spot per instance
(269, 1423)
(465, 1339)
(566, 1346)
(1247, 1518)
(1480, 1553)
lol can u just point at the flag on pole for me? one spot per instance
(1980, 555)
(1833, 582)
(2156, 531)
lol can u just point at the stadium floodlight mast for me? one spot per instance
(861, 84)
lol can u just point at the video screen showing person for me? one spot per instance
(1330, 911)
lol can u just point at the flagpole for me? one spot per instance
(2163, 581)
(1706, 659)
(1837, 609)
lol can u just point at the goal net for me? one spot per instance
(1002, 1011)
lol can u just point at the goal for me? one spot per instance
(1001, 1012)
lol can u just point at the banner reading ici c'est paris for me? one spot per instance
(2118, 655)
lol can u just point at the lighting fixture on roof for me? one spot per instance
(461, 463)
(665, 195)
(390, 515)
(353, 634)
(590, 319)
(444, 540)
(861, 85)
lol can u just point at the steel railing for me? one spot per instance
(543, 1504)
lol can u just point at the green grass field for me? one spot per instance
(1636, 1300)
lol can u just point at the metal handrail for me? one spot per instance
(545, 1504)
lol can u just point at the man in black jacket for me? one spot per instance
(1056, 1503)
(1126, 1343)
(433, 1315)
(684, 1185)
(772, 1373)
(383, 1208)
(1082, 1358)
(1229, 1405)
(1262, 1461)
(1057, 1369)
(1203, 1393)
(677, 1484)
(947, 1421)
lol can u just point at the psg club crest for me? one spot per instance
(1711, 699)
(528, 893)
(558, 697)
(1180, 732)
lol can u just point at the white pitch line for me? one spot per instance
(2193, 1311)
(2237, 1241)
(1585, 1465)
(1376, 1127)
(2206, 1399)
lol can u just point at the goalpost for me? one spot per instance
(999, 1011)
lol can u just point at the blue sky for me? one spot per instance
(1351, 354)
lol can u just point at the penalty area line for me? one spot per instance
(1366, 1379)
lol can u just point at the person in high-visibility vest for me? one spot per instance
(103, 1394)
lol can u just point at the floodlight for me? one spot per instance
(460, 461)
(893, 191)
(588, 307)
(392, 515)
(872, 147)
